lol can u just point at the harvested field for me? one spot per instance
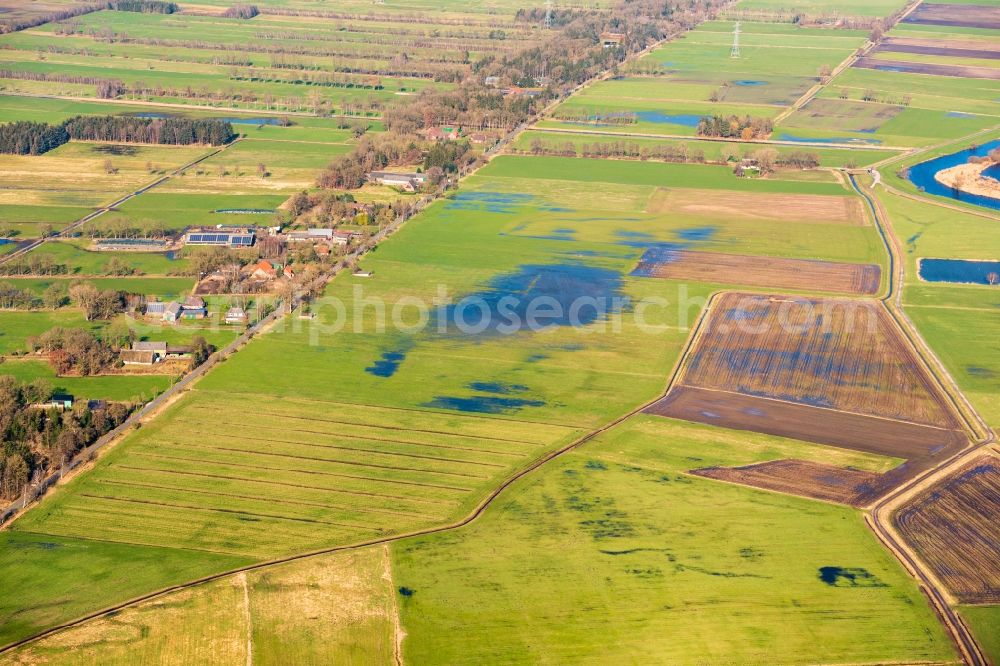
(832, 353)
(807, 208)
(959, 71)
(823, 426)
(959, 16)
(953, 526)
(799, 477)
(759, 271)
(932, 47)
(829, 371)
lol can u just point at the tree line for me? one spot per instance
(167, 131)
(31, 138)
(24, 137)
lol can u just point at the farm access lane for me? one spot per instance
(67, 230)
(879, 516)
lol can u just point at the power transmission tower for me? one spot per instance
(548, 14)
(735, 53)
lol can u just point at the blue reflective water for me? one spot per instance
(808, 139)
(958, 270)
(749, 82)
(536, 297)
(684, 119)
(922, 175)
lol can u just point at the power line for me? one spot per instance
(548, 14)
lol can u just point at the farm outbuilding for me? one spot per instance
(155, 308)
(193, 307)
(138, 357)
(611, 39)
(221, 237)
(407, 181)
(172, 312)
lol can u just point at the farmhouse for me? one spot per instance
(611, 39)
(193, 307)
(58, 401)
(221, 237)
(236, 315)
(343, 237)
(442, 133)
(491, 81)
(172, 312)
(138, 357)
(263, 270)
(407, 181)
(145, 353)
(747, 168)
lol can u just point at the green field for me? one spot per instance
(19, 325)
(331, 609)
(710, 150)
(985, 622)
(895, 108)
(822, 8)
(675, 84)
(381, 424)
(331, 437)
(89, 175)
(109, 387)
(80, 260)
(614, 553)
(960, 322)
(164, 288)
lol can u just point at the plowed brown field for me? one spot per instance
(766, 272)
(954, 528)
(799, 477)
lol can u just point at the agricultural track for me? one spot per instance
(879, 517)
(67, 231)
